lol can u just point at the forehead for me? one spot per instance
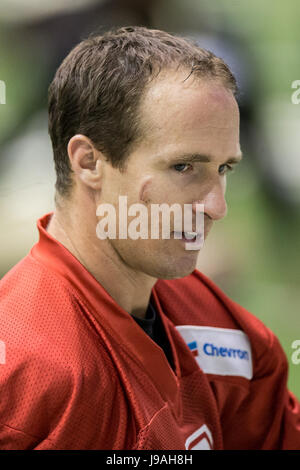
(197, 110)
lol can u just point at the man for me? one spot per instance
(119, 342)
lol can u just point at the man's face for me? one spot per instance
(180, 119)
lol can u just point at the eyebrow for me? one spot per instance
(197, 157)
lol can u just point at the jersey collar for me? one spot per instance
(56, 257)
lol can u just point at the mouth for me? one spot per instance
(188, 236)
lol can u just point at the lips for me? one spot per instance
(188, 236)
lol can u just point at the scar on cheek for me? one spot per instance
(144, 191)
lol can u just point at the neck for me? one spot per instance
(76, 230)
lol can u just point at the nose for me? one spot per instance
(214, 202)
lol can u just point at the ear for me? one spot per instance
(85, 161)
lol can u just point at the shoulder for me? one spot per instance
(53, 360)
(43, 320)
(197, 300)
(34, 303)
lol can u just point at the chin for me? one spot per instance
(178, 274)
(175, 276)
(174, 270)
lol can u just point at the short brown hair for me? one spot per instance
(97, 89)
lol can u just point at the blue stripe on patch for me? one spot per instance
(192, 345)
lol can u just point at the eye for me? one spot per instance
(181, 167)
(225, 168)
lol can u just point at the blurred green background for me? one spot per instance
(253, 254)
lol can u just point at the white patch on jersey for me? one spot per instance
(221, 351)
(200, 440)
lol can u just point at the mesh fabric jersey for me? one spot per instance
(80, 373)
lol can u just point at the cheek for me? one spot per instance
(149, 191)
(143, 193)
(156, 190)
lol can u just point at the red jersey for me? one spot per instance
(77, 372)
